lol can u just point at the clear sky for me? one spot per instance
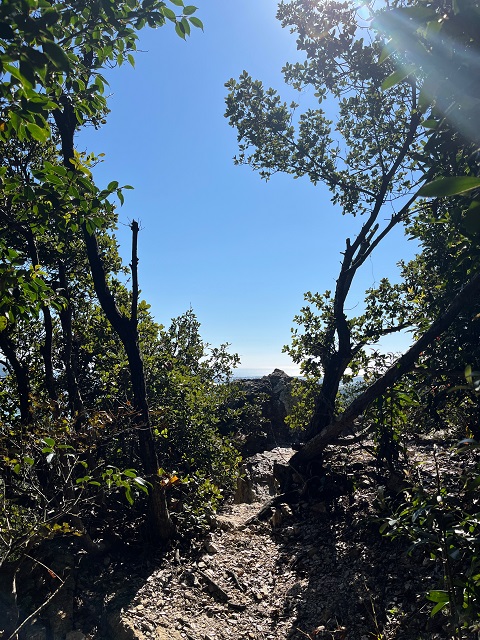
(241, 252)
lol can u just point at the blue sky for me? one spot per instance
(239, 251)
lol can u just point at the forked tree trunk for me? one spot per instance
(162, 527)
(314, 448)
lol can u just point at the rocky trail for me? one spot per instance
(316, 569)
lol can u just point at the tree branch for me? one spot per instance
(314, 447)
(134, 268)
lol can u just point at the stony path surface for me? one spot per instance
(319, 570)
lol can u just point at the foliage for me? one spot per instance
(51, 58)
(443, 523)
(436, 46)
(393, 129)
(56, 468)
(71, 334)
(189, 395)
(448, 259)
(389, 418)
(366, 154)
(303, 392)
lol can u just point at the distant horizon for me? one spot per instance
(259, 372)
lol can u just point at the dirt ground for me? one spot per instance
(317, 569)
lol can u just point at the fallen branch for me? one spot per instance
(214, 588)
(32, 615)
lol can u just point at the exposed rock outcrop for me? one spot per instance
(257, 482)
(274, 393)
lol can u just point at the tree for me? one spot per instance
(373, 166)
(367, 167)
(436, 45)
(51, 57)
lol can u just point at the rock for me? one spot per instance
(274, 392)
(167, 633)
(225, 523)
(258, 483)
(210, 547)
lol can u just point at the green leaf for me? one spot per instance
(3, 323)
(168, 13)
(50, 442)
(441, 598)
(37, 132)
(438, 607)
(438, 596)
(450, 186)
(57, 55)
(196, 22)
(141, 485)
(189, 10)
(396, 77)
(180, 30)
(468, 373)
(15, 72)
(130, 473)
(186, 26)
(178, 3)
(28, 74)
(471, 220)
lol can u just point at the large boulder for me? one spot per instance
(257, 481)
(274, 394)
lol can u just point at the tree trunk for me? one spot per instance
(314, 448)
(46, 352)
(21, 375)
(77, 408)
(126, 330)
(159, 516)
(324, 410)
(46, 347)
